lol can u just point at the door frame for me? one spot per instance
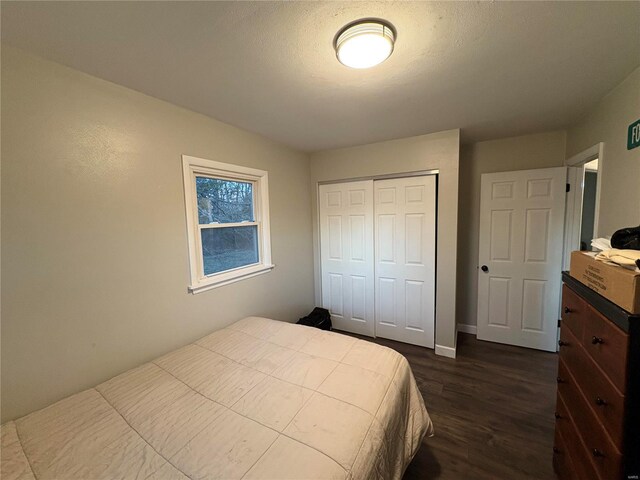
(573, 211)
(389, 176)
(418, 173)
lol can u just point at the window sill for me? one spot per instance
(230, 277)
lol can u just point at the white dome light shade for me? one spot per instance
(365, 45)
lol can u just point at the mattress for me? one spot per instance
(260, 399)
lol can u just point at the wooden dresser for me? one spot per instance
(597, 432)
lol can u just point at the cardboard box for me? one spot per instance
(618, 284)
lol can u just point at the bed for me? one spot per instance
(260, 399)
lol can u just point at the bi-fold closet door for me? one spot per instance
(346, 251)
(377, 249)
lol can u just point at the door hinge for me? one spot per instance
(568, 187)
(559, 322)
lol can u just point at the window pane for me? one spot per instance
(227, 248)
(224, 201)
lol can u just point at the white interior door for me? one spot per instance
(346, 254)
(405, 241)
(520, 253)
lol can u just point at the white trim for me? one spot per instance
(467, 328)
(227, 225)
(445, 351)
(233, 171)
(388, 176)
(236, 278)
(596, 213)
(192, 166)
(585, 156)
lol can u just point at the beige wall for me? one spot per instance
(516, 153)
(620, 168)
(435, 151)
(94, 247)
(94, 258)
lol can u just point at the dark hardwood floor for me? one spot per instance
(492, 409)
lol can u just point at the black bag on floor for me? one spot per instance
(626, 238)
(319, 318)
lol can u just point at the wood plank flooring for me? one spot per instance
(492, 408)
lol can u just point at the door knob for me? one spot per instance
(484, 268)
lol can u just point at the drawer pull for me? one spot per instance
(567, 310)
(557, 415)
(596, 340)
(600, 402)
(562, 343)
(559, 380)
(556, 450)
(597, 453)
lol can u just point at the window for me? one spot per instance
(228, 222)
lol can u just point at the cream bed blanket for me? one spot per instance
(260, 399)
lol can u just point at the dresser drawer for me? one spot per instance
(607, 345)
(575, 453)
(602, 453)
(574, 309)
(562, 464)
(604, 398)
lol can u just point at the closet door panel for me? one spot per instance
(346, 255)
(405, 259)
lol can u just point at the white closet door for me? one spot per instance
(346, 251)
(405, 240)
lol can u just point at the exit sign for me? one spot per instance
(633, 136)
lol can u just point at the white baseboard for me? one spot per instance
(466, 328)
(445, 351)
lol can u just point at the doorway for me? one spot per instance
(589, 194)
(584, 177)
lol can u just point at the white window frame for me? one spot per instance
(192, 167)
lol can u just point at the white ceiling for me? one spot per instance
(494, 69)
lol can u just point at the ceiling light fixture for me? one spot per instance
(365, 43)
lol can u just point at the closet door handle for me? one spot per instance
(484, 268)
